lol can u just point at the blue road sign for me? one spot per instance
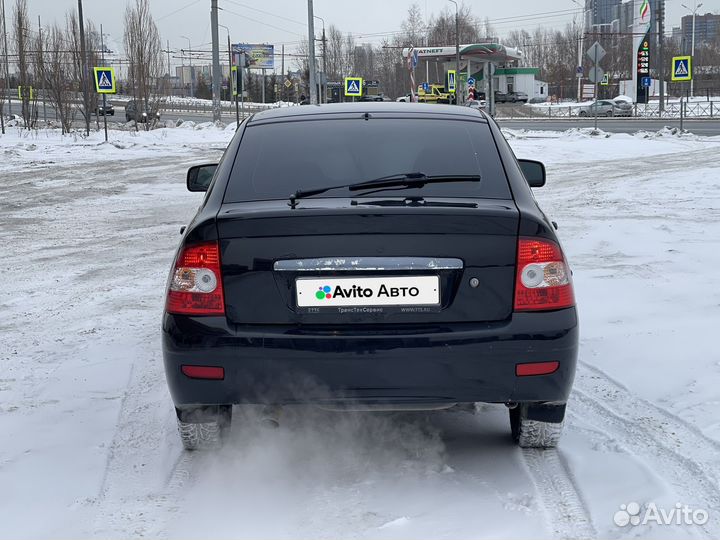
(104, 80)
(471, 81)
(425, 87)
(647, 82)
(681, 68)
(353, 86)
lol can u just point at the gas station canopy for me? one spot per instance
(482, 52)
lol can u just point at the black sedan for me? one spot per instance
(106, 110)
(369, 265)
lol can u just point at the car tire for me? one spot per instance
(204, 429)
(609, 113)
(529, 432)
(582, 113)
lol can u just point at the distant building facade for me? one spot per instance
(707, 30)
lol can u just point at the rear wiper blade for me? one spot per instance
(411, 179)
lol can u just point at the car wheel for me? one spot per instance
(609, 113)
(204, 428)
(530, 432)
(582, 113)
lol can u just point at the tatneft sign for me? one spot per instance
(432, 51)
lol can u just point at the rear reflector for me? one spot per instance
(536, 368)
(204, 372)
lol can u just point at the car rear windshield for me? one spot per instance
(276, 159)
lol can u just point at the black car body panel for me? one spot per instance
(461, 362)
(465, 349)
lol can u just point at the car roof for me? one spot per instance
(362, 107)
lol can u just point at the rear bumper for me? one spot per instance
(402, 364)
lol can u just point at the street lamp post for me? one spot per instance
(311, 55)
(192, 94)
(229, 59)
(323, 98)
(696, 6)
(580, 48)
(457, 50)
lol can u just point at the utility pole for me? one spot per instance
(7, 63)
(282, 73)
(661, 52)
(168, 55)
(40, 60)
(83, 52)
(102, 48)
(311, 56)
(192, 75)
(217, 111)
(580, 50)
(457, 50)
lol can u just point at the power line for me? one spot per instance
(240, 4)
(177, 10)
(261, 22)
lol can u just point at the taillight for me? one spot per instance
(196, 283)
(543, 279)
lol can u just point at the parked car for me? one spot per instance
(107, 109)
(374, 97)
(607, 107)
(407, 98)
(476, 104)
(511, 97)
(407, 272)
(132, 113)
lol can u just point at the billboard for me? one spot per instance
(260, 56)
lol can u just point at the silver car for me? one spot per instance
(607, 107)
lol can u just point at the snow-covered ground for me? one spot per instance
(89, 447)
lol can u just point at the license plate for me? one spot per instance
(368, 291)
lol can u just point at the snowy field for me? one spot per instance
(89, 448)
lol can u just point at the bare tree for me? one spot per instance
(58, 74)
(144, 51)
(21, 41)
(414, 26)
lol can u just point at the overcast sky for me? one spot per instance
(285, 21)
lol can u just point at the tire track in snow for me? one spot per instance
(565, 511)
(669, 446)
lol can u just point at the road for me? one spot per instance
(708, 127)
(705, 126)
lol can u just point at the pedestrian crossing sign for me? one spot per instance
(105, 80)
(353, 86)
(682, 68)
(451, 81)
